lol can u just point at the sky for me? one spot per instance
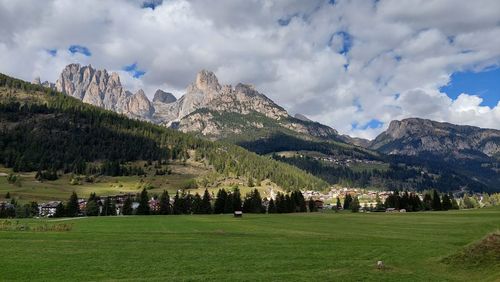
(352, 65)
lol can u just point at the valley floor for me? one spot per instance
(288, 247)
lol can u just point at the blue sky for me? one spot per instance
(339, 62)
(134, 71)
(485, 84)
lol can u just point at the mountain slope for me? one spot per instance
(467, 150)
(412, 154)
(416, 136)
(43, 129)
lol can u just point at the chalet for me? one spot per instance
(48, 209)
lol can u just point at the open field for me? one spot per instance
(287, 247)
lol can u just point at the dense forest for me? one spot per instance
(41, 129)
(282, 142)
(399, 176)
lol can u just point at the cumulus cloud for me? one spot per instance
(343, 64)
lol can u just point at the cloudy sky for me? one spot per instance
(353, 65)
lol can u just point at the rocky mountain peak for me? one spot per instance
(207, 81)
(139, 106)
(164, 97)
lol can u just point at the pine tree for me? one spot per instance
(72, 208)
(436, 201)
(187, 207)
(91, 209)
(228, 204)
(271, 208)
(7, 196)
(127, 208)
(290, 205)
(206, 205)
(237, 205)
(354, 206)
(338, 206)
(281, 205)
(404, 201)
(60, 210)
(143, 208)
(220, 201)
(106, 207)
(165, 203)
(447, 204)
(177, 208)
(312, 205)
(301, 202)
(197, 204)
(347, 201)
(427, 203)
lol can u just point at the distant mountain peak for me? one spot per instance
(164, 97)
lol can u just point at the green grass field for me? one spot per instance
(288, 247)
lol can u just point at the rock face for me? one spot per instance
(139, 106)
(207, 107)
(164, 97)
(95, 87)
(416, 136)
(99, 88)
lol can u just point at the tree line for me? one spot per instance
(226, 202)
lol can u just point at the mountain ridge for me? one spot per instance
(99, 88)
(412, 136)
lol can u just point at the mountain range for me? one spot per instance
(248, 118)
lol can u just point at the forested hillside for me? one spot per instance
(41, 129)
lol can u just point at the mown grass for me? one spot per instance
(288, 247)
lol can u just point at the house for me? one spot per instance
(48, 209)
(318, 204)
(82, 204)
(154, 205)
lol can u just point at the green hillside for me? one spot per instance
(45, 131)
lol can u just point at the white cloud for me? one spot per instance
(406, 48)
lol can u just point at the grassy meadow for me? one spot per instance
(31, 189)
(288, 247)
